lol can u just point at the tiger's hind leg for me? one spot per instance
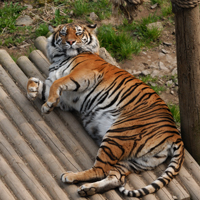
(115, 178)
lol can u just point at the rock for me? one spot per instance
(29, 6)
(24, 21)
(155, 73)
(103, 53)
(154, 6)
(172, 92)
(167, 43)
(174, 71)
(129, 71)
(136, 73)
(164, 51)
(162, 67)
(152, 84)
(157, 25)
(145, 72)
(169, 83)
(93, 16)
(71, 12)
(160, 82)
(161, 55)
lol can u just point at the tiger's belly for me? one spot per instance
(97, 124)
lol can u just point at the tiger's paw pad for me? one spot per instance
(68, 177)
(34, 87)
(86, 190)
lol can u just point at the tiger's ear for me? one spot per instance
(92, 27)
(51, 29)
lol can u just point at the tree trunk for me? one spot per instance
(188, 62)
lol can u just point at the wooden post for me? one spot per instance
(188, 62)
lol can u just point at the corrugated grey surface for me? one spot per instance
(36, 149)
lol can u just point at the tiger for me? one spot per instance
(132, 125)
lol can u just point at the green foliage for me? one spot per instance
(16, 40)
(102, 8)
(81, 7)
(146, 37)
(147, 79)
(60, 19)
(8, 15)
(152, 82)
(175, 112)
(42, 30)
(156, 1)
(166, 9)
(119, 44)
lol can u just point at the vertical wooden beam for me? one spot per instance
(188, 62)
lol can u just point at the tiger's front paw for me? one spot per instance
(68, 177)
(34, 88)
(49, 106)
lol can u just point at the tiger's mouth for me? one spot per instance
(72, 52)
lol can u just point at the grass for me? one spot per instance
(42, 30)
(139, 30)
(175, 112)
(8, 15)
(152, 82)
(82, 8)
(60, 19)
(119, 44)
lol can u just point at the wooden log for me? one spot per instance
(163, 193)
(137, 182)
(38, 58)
(73, 146)
(30, 134)
(22, 170)
(190, 184)
(13, 181)
(29, 68)
(36, 165)
(188, 61)
(5, 193)
(177, 190)
(192, 166)
(41, 43)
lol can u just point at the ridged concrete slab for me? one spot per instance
(36, 149)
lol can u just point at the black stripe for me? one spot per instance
(43, 92)
(156, 186)
(76, 83)
(145, 191)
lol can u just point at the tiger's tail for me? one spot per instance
(171, 171)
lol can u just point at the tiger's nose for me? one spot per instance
(71, 42)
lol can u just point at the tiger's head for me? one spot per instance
(69, 40)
